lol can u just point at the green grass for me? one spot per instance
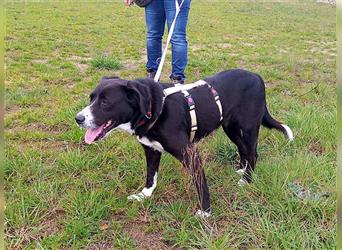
(106, 62)
(62, 194)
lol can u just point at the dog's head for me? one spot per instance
(113, 102)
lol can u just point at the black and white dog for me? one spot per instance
(163, 123)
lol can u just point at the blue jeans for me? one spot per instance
(156, 13)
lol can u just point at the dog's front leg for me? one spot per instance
(152, 165)
(192, 161)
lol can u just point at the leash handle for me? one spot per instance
(161, 64)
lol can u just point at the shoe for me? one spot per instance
(150, 73)
(176, 80)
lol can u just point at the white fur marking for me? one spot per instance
(288, 132)
(152, 144)
(88, 115)
(241, 171)
(125, 127)
(202, 214)
(146, 192)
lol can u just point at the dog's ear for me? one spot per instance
(143, 93)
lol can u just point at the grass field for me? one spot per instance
(62, 194)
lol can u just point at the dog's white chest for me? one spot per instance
(143, 140)
(126, 127)
(150, 143)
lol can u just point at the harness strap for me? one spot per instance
(192, 112)
(217, 99)
(180, 87)
(191, 104)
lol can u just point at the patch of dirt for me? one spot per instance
(283, 51)
(48, 128)
(270, 84)
(143, 57)
(70, 85)
(51, 129)
(196, 73)
(79, 62)
(316, 148)
(106, 244)
(40, 61)
(324, 43)
(21, 237)
(25, 235)
(241, 64)
(332, 2)
(144, 240)
(55, 52)
(224, 45)
(45, 145)
(251, 45)
(50, 224)
(130, 64)
(231, 37)
(79, 58)
(323, 47)
(196, 47)
(12, 110)
(329, 52)
(310, 61)
(82, 67)
(8, 38)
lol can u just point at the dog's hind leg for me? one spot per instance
(235, 133)
(246, 142)
(250, 139)
(152, 165)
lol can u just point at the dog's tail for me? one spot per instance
(269, 122)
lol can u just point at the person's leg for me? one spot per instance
(155, 23)
(178, 40)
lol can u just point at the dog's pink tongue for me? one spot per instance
(91, 134)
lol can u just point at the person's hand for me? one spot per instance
(128, 2)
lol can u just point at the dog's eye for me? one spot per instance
(105, 102)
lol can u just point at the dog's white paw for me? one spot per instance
(203, 214)
(138, 197)
(242, 182)
(145, 193)
(241, 171)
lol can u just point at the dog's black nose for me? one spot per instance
(79, 119)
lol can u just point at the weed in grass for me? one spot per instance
(106, 62)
